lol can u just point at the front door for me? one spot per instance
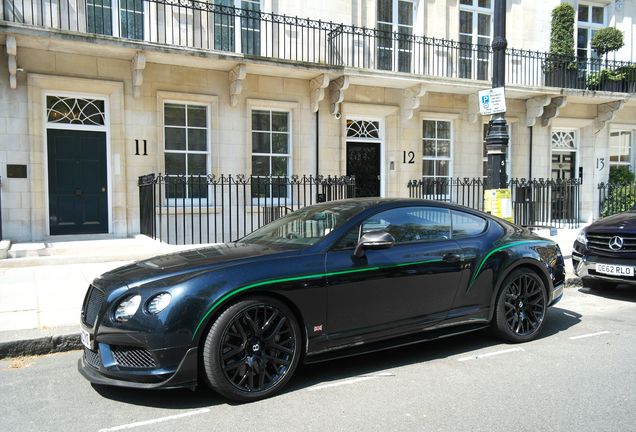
(78, 198)
(363, 162)
(563, 165)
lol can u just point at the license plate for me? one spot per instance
(615, 270)
(85, 337)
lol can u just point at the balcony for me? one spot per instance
(260, 36)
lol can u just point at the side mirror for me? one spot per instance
(373, 240)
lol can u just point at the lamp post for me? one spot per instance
(497, 136)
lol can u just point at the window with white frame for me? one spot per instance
(395, 16)
(475, 28)
(271, 153)
(129, 14)
(436, 155)
(620, 145)
(485, 150)
(186, 152)
(590, 19)
(247, 21)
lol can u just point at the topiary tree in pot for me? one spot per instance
(603, 42)
(560, 66)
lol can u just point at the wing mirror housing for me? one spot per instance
(373, 240)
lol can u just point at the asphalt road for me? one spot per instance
(579, 376)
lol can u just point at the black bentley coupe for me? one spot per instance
(604, 253)
(327, 281)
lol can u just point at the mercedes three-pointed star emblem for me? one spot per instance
(616, 243)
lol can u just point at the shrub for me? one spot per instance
(607, 40)
(621, 191)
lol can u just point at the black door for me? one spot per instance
(393, 291)
(363, 161)
(78, 199)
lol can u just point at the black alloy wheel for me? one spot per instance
(521, 306)
(252, 349)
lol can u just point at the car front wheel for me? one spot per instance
(521, 306)
(252, 349)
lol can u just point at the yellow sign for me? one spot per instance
(498, 202)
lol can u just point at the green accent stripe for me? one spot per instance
(296, 278)
(493, 251)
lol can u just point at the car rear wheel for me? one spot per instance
(521, 306)
(252, 349)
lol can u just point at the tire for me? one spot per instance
(252, 349)
(598, 285)
(521, 306)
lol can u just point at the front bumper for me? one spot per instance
(556, 294)
(585, 268)
(185, 374)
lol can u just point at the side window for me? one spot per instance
(412, 224)
(349, 240)
(466, 225)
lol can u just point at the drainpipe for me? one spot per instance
(530, 161)
(317, 143)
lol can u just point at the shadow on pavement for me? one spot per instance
(621, 292)
(558, 320)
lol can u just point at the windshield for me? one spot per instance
(306, 226)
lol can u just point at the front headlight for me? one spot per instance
(158, 303)
(127, 308)
(581, 238)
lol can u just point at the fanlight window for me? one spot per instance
(363, 129)
(563, 140)
(78, 111)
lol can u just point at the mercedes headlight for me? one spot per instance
(581, 238)
(127, 308)
(158, 303)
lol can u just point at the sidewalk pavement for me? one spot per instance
(42, 286)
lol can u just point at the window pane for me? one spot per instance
(197, 116)
(412, 224)
(279, 122)
(443, 148)
(597, 15)
(405, 13)
(441, 168)
(260, 120)
(429, 148)
(260, 165)
(465, 22)
(197, 164)
(279, 143)
(174, 115)
(484, 3)
(443, 130)
(429, 129)
(175, 138)
(175, 163)
(385, 10)
(279, 166)
(197, 139)
(583, 13)
(260, 142)
(428, 168)
(581, 40)
(466, 225)
(483, 24)
(467, 2)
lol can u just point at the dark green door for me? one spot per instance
(78, 198)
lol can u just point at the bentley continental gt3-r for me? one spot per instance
(329, 280)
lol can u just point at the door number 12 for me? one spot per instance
(408, 157)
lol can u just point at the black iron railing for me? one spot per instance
(535, 202)
(0, 208)
(616, 198)
(211, 209)
(205, 26)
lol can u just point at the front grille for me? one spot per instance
(133, 357)
(92, 358)
(92, 305)
(600, 242)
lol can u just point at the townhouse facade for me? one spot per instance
(96, 93)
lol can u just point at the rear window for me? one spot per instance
(466, 225)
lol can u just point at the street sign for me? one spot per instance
(498, 202)
(492, 101)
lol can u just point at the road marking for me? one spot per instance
(490, 354)
(157, 420)
(569, 314)
(589, 335)
(349, 381)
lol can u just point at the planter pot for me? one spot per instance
(563, 78)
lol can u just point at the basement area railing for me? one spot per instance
(616, 198)
(206, 26)
(218, 209)
(535, 202)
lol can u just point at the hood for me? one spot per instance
(621, 222)
(184, 262)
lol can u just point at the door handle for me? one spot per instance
(452, 258)
(78, 192)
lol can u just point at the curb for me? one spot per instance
(40, 346)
